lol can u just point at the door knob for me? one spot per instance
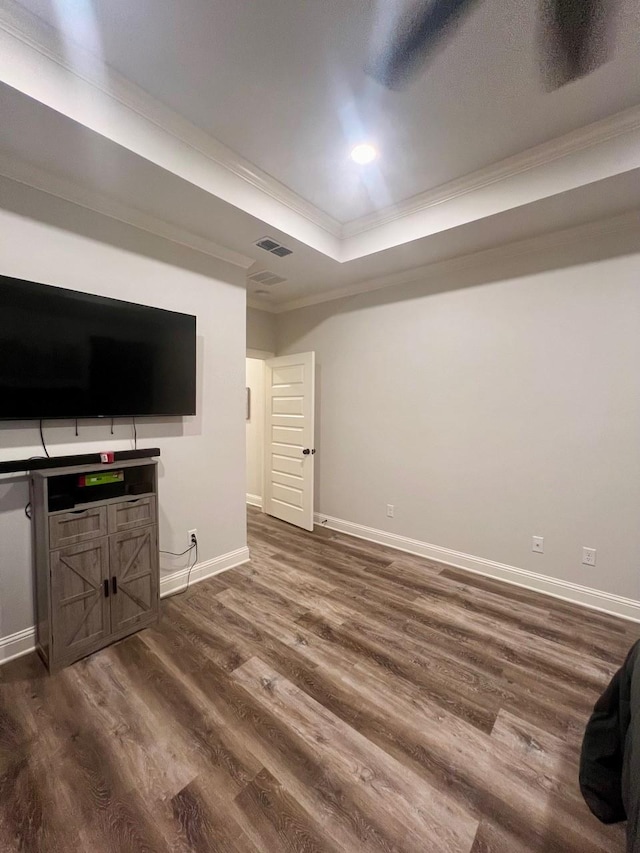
(306, 451)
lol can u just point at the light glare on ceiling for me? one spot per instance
(364, 153)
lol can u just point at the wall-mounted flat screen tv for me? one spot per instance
(73, 355)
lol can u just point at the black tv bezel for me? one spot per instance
(82, 296)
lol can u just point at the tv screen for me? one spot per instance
(72, 355)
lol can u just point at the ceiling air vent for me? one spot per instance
(266, 278)
(270, 245)
(281, 252)
(267, 244)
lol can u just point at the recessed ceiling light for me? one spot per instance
(364, 153)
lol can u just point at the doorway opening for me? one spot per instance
(255, 416)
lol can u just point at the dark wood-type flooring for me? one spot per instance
(332, 695)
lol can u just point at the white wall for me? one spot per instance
(255, 429)
(261, 330)
(500, 404)
(202, 466)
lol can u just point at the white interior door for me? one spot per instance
(289, 438)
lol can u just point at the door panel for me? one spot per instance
(289, 438)
(79, 608)
(134, 595)
(286, 465)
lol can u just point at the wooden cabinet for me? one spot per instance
(97, 565)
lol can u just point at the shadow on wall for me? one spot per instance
(12, 494)
(549, 252)
(34, 204)
(18, 435)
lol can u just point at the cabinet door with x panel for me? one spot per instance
(80, 611)
(134, 578)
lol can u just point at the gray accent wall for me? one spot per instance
(495, 404)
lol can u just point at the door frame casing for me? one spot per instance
(259, 355)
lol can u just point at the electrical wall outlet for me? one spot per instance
(588, 556)
(193, 537)
(537, 544)
(390, 510)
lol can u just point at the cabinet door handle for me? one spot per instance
(114, 585)
(78, 512)
(106, 588)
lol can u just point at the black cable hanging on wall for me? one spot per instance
(44, 446)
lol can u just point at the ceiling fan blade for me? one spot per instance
(576, 38)
(411, 29)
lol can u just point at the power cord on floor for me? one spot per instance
(191, 567)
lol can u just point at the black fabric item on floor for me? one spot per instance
(610, 760)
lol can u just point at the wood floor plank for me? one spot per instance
(492, 838)
(330, 644)
(331, 695)
(275, 820)
(558, 758)
(209, 748)
(286, 757)
(206, 821)
(412, 810)
(147, 747)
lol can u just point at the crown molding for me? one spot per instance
(267, 307)
(612, 127)
(41, 37)
(626, 223)
(39, 179)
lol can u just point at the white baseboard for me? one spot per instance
(23, 642)
(177, 581)
(254, 500)
(18, 644)
(594, 599)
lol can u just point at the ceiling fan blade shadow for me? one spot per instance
(410, 30)
(576, 37)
